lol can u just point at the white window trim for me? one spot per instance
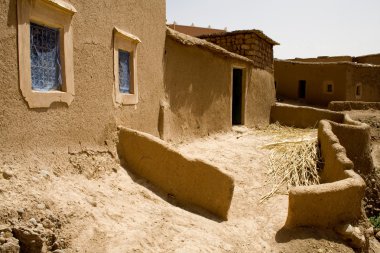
(55, 14)
(125, 41)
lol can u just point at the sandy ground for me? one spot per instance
(97, 206)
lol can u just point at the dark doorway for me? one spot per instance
(301, 89)
(237, 96)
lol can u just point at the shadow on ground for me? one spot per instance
(285, 235)
(170, 198)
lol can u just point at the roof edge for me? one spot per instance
(193, 41)
(259, 33)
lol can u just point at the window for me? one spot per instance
(328, 87)
(125, 68)
(358, 90)
(44, 58)
(45, 52)
(124, 72)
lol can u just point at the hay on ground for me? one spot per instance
(292, 163)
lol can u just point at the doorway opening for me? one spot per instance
(301, 89)
(237, 96)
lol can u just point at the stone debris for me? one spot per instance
(353, 235)
(8, 244)
(378, 236)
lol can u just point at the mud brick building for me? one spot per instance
(253, 44)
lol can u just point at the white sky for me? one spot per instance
(304, 28)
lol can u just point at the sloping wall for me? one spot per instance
(188, 181)
(92, 116)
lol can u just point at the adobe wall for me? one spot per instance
(260, 98)
(247, 44)
(369, 78)
(325, 59)
(302, 116)
(92, 116)
(355, 137)
(338, 199)
(185, 180)
(317, 75)
(353, 105)
(198, 86)
(370, 59)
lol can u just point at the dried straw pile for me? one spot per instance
(292, 163)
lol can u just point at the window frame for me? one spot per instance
(55, 14)
(126, 42)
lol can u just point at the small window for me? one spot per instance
(124, 72)
(329, 88)
(125, 68)
(45, 58)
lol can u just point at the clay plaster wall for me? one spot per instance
(353, 105)
(302, 116)
(188, 181)
(338, 198)
(198, 86)
(325, 59)
(92, 116)
(369, 78)
(370, 59)
(288, 75)
(355, 137)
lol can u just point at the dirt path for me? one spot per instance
(99, 207)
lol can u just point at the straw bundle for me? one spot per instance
(292, 163)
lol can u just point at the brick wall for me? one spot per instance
(248, 44)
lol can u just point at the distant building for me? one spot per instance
(194, 31)
(324, 79)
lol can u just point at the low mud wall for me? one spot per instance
(188, 181)
(353, 105)
(355, 137)
(338, 198)
(302, 116)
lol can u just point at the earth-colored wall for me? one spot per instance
(353, 105)
(355, 137)
(338, 199)
(198, 86)
(92, 116)
(185, 180)
(369, 77)
(198, 91)
(288, 74)
(325, 59)
(371, 59)
(302, 116)
(260, 98)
